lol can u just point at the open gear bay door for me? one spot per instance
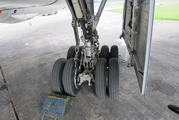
(137, 32)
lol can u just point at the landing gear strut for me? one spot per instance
(87, 62)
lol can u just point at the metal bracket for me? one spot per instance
(85, 76)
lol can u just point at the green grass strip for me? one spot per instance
(162, 12)
(120, 10)
(167, 12)
(115, 3)
(157, 1)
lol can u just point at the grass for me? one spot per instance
(167, 12)
(120, 10)
(163, 12)
(157, 1)
(115, 3)
(121, 2)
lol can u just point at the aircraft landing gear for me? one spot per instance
(56, 77)
(113, 80)
(69, 74)
(100, 78)
(71, 52)
(104, 53)
(87, 63)
(69, 77)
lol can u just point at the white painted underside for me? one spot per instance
(18, 4)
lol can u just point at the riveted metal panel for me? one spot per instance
(137, 33)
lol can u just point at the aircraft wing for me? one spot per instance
(137, 33)
(13, 11)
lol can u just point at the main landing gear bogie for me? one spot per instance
(87, 63)
(67, 76)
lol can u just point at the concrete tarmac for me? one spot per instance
(27, 55)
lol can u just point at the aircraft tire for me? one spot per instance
(100, 78)
(113, 82)
(56, 76)
(105, 53)
(71, 52)
(114, 52)
(68, 78)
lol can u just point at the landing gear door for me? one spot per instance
(137, 32)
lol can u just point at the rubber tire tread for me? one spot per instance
(68, 78)
(71, 52)
(113, 82)
(114, 53)
(104, 52)
(100, 78)
(56, 76)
